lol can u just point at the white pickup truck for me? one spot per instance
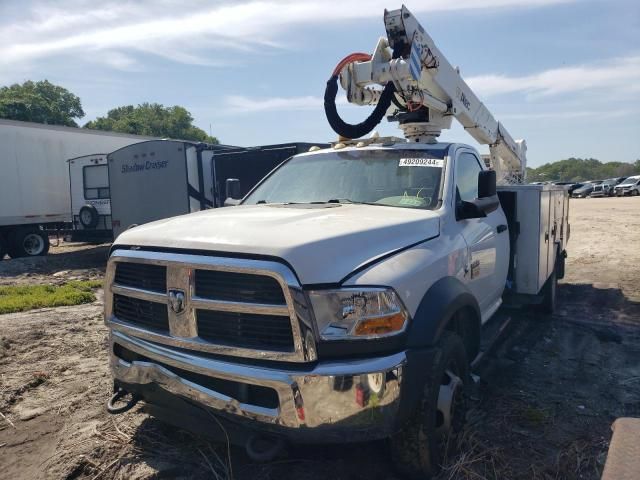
(343, 300)
(346, 297)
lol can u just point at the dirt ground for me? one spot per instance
(542, 410)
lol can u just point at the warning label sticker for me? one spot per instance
(421, 162)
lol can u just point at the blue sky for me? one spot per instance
(563, 74)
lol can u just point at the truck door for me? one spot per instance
(487, 240)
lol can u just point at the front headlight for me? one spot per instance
(358, 313)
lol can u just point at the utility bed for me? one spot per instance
(538, 218)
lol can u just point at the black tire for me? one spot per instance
(89, 217)
(549, 294)
(419, 450)
(635, 193)
(561, 265)
(28, 242)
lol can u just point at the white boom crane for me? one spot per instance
(426, 90)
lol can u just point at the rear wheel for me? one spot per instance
(28, 242)
(549, 292)
(419, 450)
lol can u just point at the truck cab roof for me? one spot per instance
(440, 149)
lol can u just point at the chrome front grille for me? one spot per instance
(238, 287)
(227, 306)
(245, 329)
(142, 275)
(141, 313)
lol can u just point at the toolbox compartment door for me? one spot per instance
(539, 214)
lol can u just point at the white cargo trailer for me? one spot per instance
(34, 179)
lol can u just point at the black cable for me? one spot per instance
(358, 130)
(348, 130)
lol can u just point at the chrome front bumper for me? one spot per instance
(329, 402)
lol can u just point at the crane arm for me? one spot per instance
(428, 93)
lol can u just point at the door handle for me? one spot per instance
(501, 228)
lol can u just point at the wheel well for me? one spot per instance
(466, 324)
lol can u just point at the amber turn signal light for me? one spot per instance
(381, 325)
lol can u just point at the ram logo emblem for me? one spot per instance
(177, 301)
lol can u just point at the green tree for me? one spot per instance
(41, 102)
(154, 120)
(581, 169)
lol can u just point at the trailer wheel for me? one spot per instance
(419, 450)
(28, 242)
(89, 217)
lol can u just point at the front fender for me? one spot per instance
(442, 300)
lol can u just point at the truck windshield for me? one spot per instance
(398, 178)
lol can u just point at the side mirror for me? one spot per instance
(232, 191)
(466, 210)
(487, 200)
(486, 183)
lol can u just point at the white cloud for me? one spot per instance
(567, 115)
(242, 104)
(609, 76)
(184, 30)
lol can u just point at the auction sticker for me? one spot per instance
(421, 162)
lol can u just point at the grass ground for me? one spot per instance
(19, 298)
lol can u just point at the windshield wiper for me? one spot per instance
(348, 200)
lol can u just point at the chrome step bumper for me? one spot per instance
(328, 402)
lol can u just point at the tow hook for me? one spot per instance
(261, 448)
(117, 396)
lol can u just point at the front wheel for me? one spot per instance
(420, 449)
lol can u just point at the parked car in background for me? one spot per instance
(575, 186)
(601, 190)
(572, 185)
(630, 186)
(585, 190)
(611, 183)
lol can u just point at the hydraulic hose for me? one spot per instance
(358, 130)
(338, 125)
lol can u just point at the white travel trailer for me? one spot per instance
(90, 198)
(164, 178)
(34, 179)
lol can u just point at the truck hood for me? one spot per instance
(322, 242)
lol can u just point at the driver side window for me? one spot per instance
(466, 172)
